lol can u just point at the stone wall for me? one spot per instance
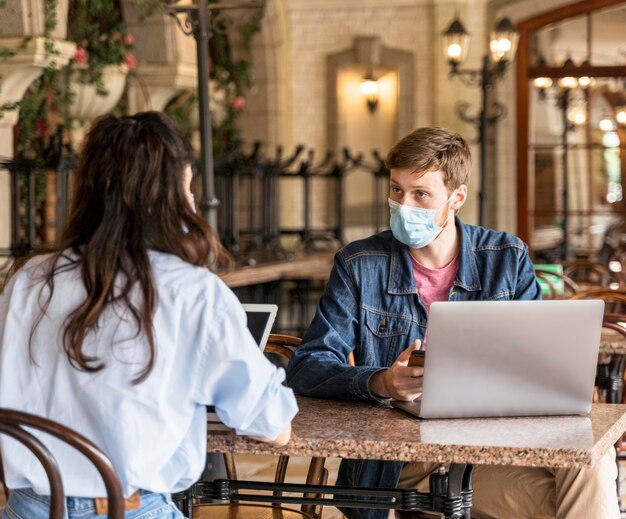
(316, 30)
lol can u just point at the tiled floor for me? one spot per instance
(262, 468)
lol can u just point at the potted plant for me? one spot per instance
(103, 58)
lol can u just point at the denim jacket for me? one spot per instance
(371, 307)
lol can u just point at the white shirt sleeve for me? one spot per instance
(234, 376)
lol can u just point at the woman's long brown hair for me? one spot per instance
(128, 197)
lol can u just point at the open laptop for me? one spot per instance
(509, 358)
(260, 321)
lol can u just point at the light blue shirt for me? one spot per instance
(154, 432)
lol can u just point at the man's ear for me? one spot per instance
(459, 197)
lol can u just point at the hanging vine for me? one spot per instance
(229, 85)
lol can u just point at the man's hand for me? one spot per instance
(400, 382)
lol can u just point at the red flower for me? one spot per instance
(131, 61)
(41, 128)
(129, 39)
(81, 56)
(238, 103)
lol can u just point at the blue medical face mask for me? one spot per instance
(415, 226)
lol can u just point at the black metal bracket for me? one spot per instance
(450, 494)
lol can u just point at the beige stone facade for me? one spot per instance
(289, 102)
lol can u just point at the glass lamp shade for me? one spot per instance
(455, 43)
(586, 81)
(503, 41)
(607, 124)
(577, 118)
(369, 88)
(542, 82)
(568, 82)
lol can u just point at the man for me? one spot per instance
(376, 304)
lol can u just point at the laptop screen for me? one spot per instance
(260, 321)
(511, 358)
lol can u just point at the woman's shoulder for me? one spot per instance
(186, 280)
(36, 268)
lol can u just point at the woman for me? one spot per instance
(124, 336)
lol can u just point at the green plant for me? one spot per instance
(98, 30)
(231, 82)
(43, 94)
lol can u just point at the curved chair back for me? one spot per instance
(13, 423)
(569, 286)
(589, 273)
(615, 299)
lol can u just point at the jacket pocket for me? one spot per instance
(385, 336)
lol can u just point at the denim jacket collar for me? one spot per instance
(401, 280)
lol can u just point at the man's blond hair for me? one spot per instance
(431, 149)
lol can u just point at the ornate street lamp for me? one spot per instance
(564, 98)
(502, 48)
(201, 22)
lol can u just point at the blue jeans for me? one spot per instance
(26, 504)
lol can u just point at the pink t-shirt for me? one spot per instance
(434, 284)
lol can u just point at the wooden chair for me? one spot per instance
(615, 300)
(610, 375)
(589, 274)
(570, 287)
(282, 345)
(13, 423)
(617, 264)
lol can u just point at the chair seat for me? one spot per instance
(244, 511)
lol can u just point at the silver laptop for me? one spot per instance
(509, 358)
(260, 321)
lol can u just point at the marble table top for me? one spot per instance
(334, 428)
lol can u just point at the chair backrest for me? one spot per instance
(282, 344)
(589, 274)
(13, 423)
(615, 300)
(559, 285)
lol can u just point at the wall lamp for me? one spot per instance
(502, 47)
(369, 88)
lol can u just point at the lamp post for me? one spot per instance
(565, 87)
(502, 47)
(200, 23)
